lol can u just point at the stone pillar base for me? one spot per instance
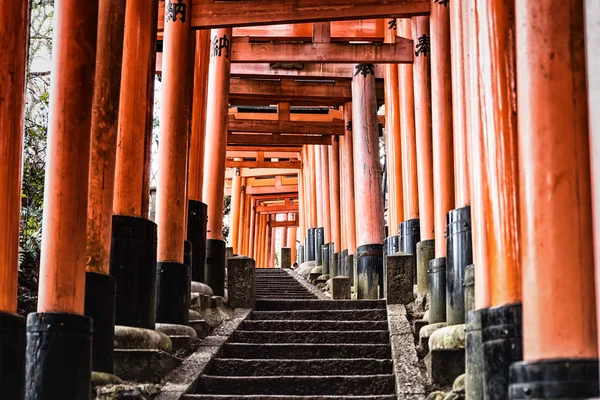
(241, 286)
(446, 359)
(340, 288)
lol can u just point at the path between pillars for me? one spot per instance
(296, 346)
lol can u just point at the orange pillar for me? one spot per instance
(132, 178)
(325, 195)
(367, 180)
(105, 118)
(216, 130)
(236, 203)
(441, 114)
(342, 180)
(479, 185)
(302, 199)
(462, 182)
(249, 251)
(554, 171)
(245, 221)
(319, 184)
(334, 186)
(171, 196)
(392, 128)
(283, 231)
(197, 135)
(14, 35)
(350, 215)
(291, 241)
(498, 104)
(407, 129)
(312, 183)
(272, 237)
(422, 101)
(62, 264)
(215, 154)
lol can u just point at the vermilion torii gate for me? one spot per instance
(487, 155)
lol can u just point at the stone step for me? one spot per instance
(274, 367)
(297, 385)
(313, 325)
(283, 397)
(381, 337)
(305, 351)
(274, 305)
(330, 315)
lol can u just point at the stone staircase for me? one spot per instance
(278, 284)
(303, 349)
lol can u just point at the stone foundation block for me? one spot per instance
(399, 279)
(286, 258)
(424, 334)
(127, 337)
(241, 286)
(446, 359)
(340, 288)
(143, 365)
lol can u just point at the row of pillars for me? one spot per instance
(102, 260)
(251, 234)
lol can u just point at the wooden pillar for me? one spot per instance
(197, 135)
(350, 215)
(407, 129)
(343, 207)
(554, 172)
(312, 183)
(479, 185)
(216, 129)
(272, 237)
(334, 186)
(441, 118)
(105, 118)
(236, 197)
(171, 196)
(248, 248)
(319, 184)
(291, 241)
(62, 264)
(243, 230)
(392, 128)
(132, 178)
(462, 182)
(498, 102)
(367, 180)
(325, 194)
(302, 198)
(422, 101)
(14, 35)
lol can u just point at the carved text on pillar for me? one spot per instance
(423, 46)
(365, 69)
(442, 2)
(219, 44)
(392, 24)
(173, 10)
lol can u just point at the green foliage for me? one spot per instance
(226, 212)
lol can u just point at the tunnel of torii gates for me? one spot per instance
(488, 170)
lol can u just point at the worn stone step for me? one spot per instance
(282, 297)
(305, 351)
(283, 397)
(275, 367)
(275, 305)
(330, 315)
(381, 337)
(313, 325)
(297, 385)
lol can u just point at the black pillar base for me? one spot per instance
(437, 290)
(59, 356)
(459, 255)
(394, 245)
(502, 343)
(299, 255)
(133, 265)
(196, 234)
(12, 356)
(474, 356)
(386, 246)
(174, 293)
(469, 288)
(319, 242)
(310, 244)
(215, 266)
(325, 258)
(100, 305)
(370, 271)
(334, 265)
(410, 235)
(554, 379)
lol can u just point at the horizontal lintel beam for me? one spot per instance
(283, 224)
(299, 70)
(335, 127)
(277, 140)
(400, 52)
(264, 164)
(286, 208)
